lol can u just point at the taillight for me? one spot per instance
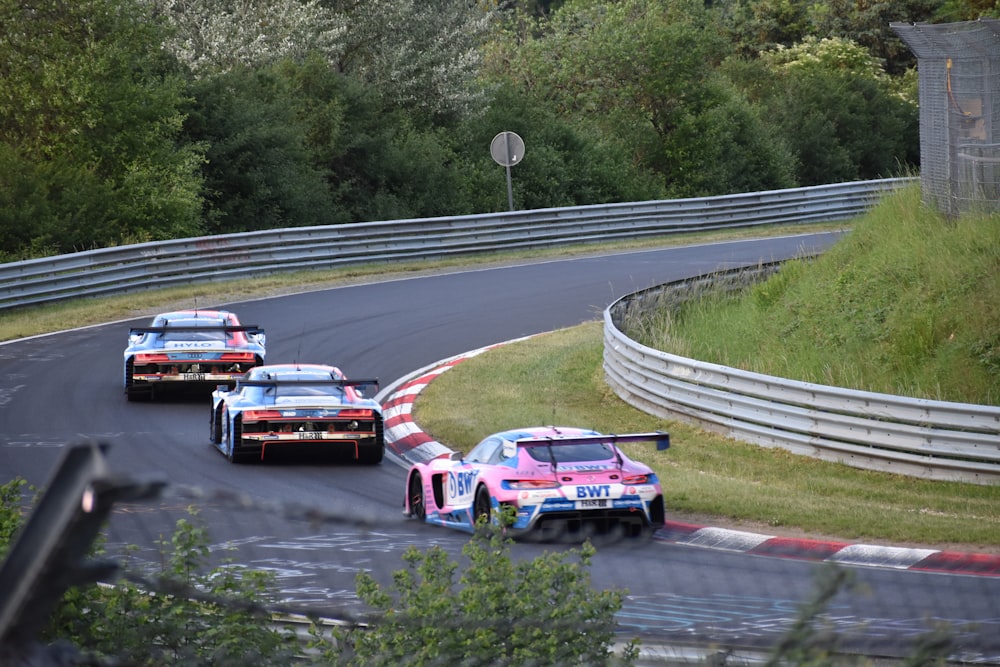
(637, 479)
(151, 358)
(237, 356)
(354, 414)
(257, 415)
(530, 484)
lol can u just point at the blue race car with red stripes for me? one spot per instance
(558, 478)
(297, 408)
(190, 349)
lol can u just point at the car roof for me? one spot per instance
(209, 316)
(543, 432)
(291, 371)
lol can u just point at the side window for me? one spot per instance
(506, 451)
(485, 452)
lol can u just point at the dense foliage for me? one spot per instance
(132, 120)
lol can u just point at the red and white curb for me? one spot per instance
(845, 553)
(405, 438)
(402, 435)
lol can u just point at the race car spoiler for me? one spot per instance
(311, 382)
(228, 328)
(661, 438)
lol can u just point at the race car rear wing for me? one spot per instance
(554, 442)
(228, 328)
(344, 382)
(661, 438)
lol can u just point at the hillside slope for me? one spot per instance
(908, 303)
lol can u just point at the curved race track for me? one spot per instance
(65, 388)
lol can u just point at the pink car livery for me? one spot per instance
(539, 478)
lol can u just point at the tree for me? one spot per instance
(836, 108)
(421, 55)
(966, 10)
(565, 164)
(189, 614)
(215, 36)
(643, 71)
(90, 114)
(756, 26)
(260, 172)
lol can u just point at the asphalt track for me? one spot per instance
(63, 388)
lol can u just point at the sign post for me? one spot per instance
(507, 149)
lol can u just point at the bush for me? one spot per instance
(501, 612)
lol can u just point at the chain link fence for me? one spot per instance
(959, 78)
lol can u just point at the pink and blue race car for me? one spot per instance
(197, 349)
(554, 479)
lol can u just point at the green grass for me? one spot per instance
(557, 378)
(908, 304)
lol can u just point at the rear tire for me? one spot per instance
(233, 438)
(418, 505)
(371, 454)
(482, 508)
(657, 513)
(215, 427)
(132, 391)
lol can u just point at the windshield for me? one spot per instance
(286, 390)
(212, 330)
(591, 451)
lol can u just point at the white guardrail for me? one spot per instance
(909, 436)
(167, 263)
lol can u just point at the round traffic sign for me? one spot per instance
(507, 149)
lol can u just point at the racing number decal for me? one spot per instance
(461, 486)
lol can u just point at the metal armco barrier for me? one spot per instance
(162, 264)
(909, 436)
